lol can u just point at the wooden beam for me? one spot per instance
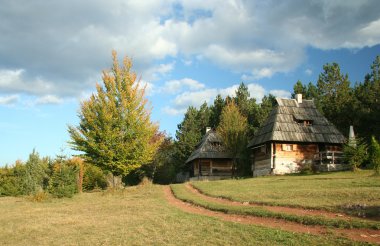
(210, 167)
(271, 155)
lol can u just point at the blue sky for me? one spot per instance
(186, 52)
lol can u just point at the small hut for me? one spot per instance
(295, 136)
(210, 160)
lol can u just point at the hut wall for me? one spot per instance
(221, 167)
(261, 161)
(291, 158)
(212, 167)
(196, 167)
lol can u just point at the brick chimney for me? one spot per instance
(299, 98)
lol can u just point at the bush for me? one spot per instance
(39, 196)
(375, 155)
(355, 153)
(63, 182)
(9, 184)
(93, 178)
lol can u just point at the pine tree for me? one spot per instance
(115, 132)
(187, 137)
(336, 97)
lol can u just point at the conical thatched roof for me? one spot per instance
(210, 146)
(286, 123)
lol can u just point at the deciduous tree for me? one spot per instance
(233, 131)
(115, 131)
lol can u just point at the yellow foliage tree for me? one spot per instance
(115, 131)
(233, 131)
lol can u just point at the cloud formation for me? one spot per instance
(196, 98)
(47, 52)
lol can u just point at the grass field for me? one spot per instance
(181, 192)
(347, 192)
(135, 216)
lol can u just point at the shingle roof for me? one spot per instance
(282, 125)
(210, 146)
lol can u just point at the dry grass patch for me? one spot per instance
(134, 216)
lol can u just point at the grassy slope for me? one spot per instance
(137, 216)
(181, 192)
(329, 191)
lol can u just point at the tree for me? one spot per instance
(163, 168)
(216, 111)
(266, 106)
(368, 103)
(63, 182)
(336, 97)
(232, 129)
(188, 135)
(355, 153)
(375, 155)
(115, 132)
(35, 174)
(203, 118)
(247, 107)
(299, 88)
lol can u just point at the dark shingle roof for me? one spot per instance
(210, 146)
(282, 125)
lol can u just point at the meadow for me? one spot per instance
(134, 216)
(356, 193)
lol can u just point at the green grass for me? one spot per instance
(347, 192)
(181, 192)
(136, 216)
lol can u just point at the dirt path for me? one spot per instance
(278, 209)
(364, 235)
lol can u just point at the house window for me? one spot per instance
(307, 122)
(287, 147)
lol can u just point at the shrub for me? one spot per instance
(375, 155)
(63, 182)
(355, 153)
(93, 178)
(12, 180)
(39, 196)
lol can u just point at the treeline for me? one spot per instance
(42, 177)
(342, 102)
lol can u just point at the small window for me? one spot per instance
(307, 122)
(287, 147)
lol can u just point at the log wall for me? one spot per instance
(212, 167)
(261, 161)
(292, 161)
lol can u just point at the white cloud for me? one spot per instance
(280, 93)
(175, 86)
(256, 91)
(308, 72)
(49, 99)
(158, 71)
(172, 111)
(9, 100)
(197, 98)
(262, 73)
(249, 37)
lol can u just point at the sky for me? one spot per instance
(52, 54)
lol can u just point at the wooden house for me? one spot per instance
(294, 136)
(210, 160)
